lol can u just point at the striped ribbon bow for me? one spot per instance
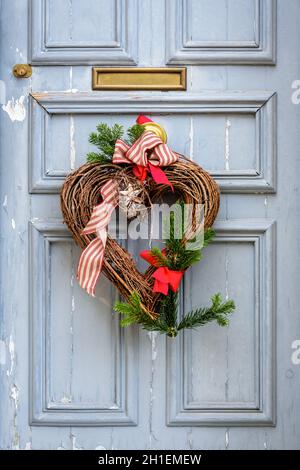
(161, 155)
(91, 260)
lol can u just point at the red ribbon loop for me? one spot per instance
(148, 153)
(164, 277)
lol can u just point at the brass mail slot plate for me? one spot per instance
(129, 78)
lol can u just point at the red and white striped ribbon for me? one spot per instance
(161, 154)
(91, 260)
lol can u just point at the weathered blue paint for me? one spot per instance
(70, 378)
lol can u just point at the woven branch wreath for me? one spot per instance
(134, 174)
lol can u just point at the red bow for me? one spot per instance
(163, 276)
(160, 155)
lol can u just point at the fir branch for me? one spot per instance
(182, 258)
(169, 313)
(131, 311)
(167, 321)
(159, 257)
(134, 132)
(209, 235)
(218, 312)
(93, 157)
(104, 139)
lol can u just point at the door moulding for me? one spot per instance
(262, 412)
(261, 105)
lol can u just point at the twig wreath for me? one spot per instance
(133, 174)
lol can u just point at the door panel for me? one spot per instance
(64, 32)
(221, 32)
(71, 377)
(240, 390)
(231, 135)
(83, 365)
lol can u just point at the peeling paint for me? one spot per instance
(14, 395)
(72, 143)
(100, 448)
(190, 439)
(4, 204)
(226, 439)
(73, 304)
(226, 278)
(71, 77)
(65, 400)
(28, 446)
(71, 89)
(13, 224)
(20, 53)
(15, 109)
(16, 443)
(191, 138)
(11, 348)
(74, 443)
(227, 144)
(2, 352)
(152, 335)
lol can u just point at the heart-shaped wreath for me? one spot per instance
(128, 174)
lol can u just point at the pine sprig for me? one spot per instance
(105, 140)
(167, 323)
(218, 311)
(160, 258)
(209, 235)
(131, 311)
(93, 157)
(134, 132)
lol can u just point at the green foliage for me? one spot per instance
(218, 311)
(93, 157)
(131, 311)
(180, 258)
(160, 258)
(134, 132)
(209, 235)
(105, 140)
(167, 321)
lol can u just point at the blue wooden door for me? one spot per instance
(71, 378)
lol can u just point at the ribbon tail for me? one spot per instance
(161, 280)
(147, 256)
(174, 279)
(159, 175)
(160, 287)
(90, 265)
(140, 172)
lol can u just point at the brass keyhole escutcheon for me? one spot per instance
(22, 70)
